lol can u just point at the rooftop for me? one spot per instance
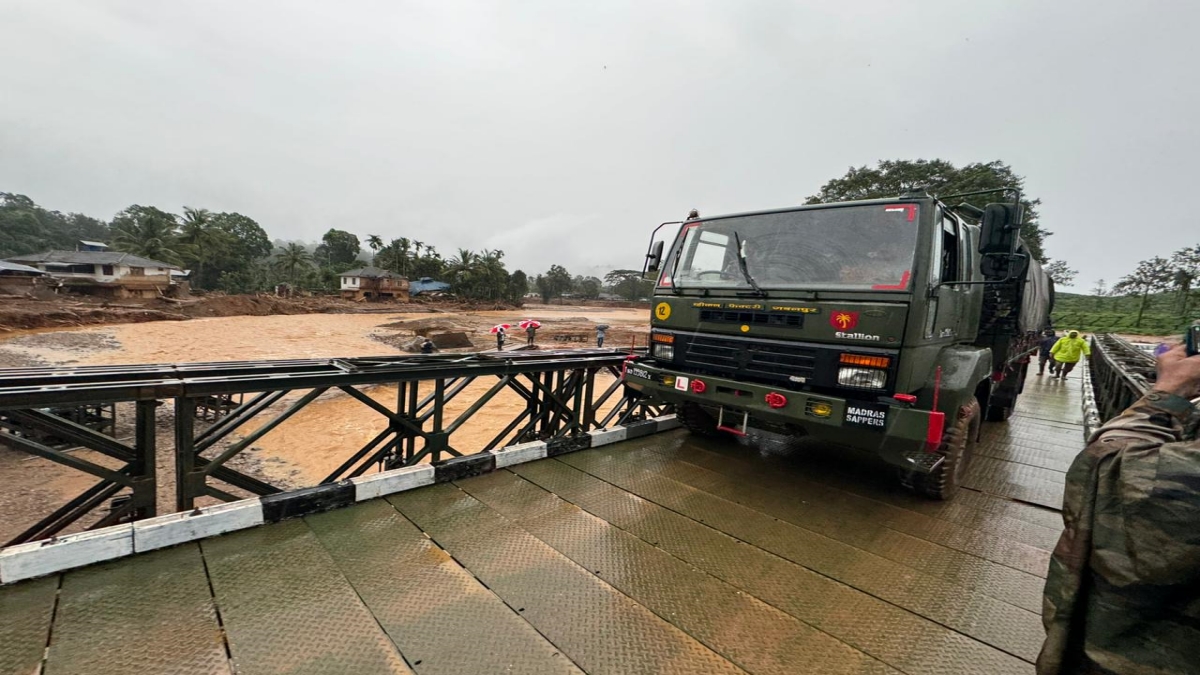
(14, 267)
(91, 258)
(370, 273)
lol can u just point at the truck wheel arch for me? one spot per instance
(965, 375)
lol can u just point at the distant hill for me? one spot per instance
(1093, 314)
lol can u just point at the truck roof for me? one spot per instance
(823, 205)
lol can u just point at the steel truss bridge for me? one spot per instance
(574, 541)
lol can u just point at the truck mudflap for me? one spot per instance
(904, 436)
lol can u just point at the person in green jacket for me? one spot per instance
(1067, 352)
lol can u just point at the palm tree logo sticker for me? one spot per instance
(843, 320)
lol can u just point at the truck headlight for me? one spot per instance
(862, 378)
(663, 352)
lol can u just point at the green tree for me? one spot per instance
(628, 284)
(557, 282)
(203, 246)
(586, 287)
(375, 243)
(338, 247)
(26, 227)
(148, 232)
(248, 241)
(1186, 263)
(1151, 276)
(518, 286)
(1060, 272)
(1100, 290)
(890, 178)
(293, 258)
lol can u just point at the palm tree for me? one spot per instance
(417, 246)
(291, 257)
(202, 241)
(148, 236)
(375, 243)
(403, 251)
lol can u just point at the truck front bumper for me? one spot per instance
(903, 436)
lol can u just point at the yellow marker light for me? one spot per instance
(745, 328)
(868, 361)
(665, 338)
(820, 408)
(669, 380)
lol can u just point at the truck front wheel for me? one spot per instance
(697, 420)
(958, 444)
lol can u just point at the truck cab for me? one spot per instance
(872, 324)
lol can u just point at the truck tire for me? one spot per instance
(697, 420)
(998, 413)
(958, 445)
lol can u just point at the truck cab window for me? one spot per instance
(950, 267)
(709, 252)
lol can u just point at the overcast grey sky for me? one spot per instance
(562, 132)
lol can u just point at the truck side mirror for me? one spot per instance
(998, 229)
(654, 258)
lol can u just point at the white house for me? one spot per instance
(107, 273)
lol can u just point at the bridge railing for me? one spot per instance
(217, 412)
(1118, 375)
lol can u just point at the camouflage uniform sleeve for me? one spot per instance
(1130, 510)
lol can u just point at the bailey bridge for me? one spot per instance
(586, 537)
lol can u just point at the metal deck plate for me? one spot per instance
(25, 613)
(441, 617)
(873, 625)
(287, 608)
(740, 627)
(149, 614)
(595, 625)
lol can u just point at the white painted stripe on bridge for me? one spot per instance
(391, 482)
(209, 521)
(520, 453)
(39, 558)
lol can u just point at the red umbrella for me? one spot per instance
(497, 327)
(527, 323)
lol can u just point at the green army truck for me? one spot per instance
(894, 326)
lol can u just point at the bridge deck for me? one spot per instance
(663, 555)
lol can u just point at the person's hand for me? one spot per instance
(1178, 373)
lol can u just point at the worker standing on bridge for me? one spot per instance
(1049, 337)
(1123, 590)
(1067, 352)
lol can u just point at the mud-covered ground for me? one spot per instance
(307, 447)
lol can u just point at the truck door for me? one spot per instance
(944, 320)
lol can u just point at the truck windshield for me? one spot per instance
(856, 247)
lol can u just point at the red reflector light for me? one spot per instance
(998, 376)
(776, 400)
(933, 434)
(906, 398)
(698, 387)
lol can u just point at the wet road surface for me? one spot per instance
(668, 554)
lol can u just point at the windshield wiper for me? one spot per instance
(741, 256)
(674, 267)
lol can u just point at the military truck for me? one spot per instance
(891, 325)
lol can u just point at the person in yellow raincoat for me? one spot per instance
(1067, 352)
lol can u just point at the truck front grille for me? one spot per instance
(761, 360)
